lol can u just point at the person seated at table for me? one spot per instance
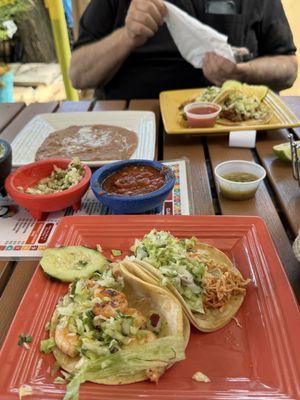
(125, 50)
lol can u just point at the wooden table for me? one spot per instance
(277, 200)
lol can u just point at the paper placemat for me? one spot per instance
(21, 236)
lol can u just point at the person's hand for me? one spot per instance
(218, 69)
(143, 19)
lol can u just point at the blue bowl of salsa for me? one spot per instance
(133, 186)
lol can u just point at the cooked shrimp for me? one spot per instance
(139, 320)
(68, 342)
(93, 285)
(110, 301)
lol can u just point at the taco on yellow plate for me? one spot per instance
(115, 329)
(242, 104)
(209, 287)
(208, 95)
(239, 108)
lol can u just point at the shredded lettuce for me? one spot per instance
(59, 381)
(170, 256)
(72, 392)
(47, 345)
(98, 335)
(116, 252)
(25, 390)
(157, 354)
(109, 278)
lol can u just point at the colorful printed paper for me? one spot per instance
(21, 236)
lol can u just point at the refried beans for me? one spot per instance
(89, 143)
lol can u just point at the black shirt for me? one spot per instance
(259, 25)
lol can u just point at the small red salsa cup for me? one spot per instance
(202, 114)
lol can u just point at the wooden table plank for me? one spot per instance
(281, 178)
(109, 105)
(75, 106)
(25, 116)
(174, 147)
(188, 147)
(261, 205)
(6, 268)
(8, 112)
(293, 102)
(13, 294)
(191, 147)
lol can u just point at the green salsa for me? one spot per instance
(237, 195)
(240, 177)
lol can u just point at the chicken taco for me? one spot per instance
(208, 95)
(239, 108)
(209, 287)
(242, 104)
(113, 329)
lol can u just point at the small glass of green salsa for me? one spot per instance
(239, 179)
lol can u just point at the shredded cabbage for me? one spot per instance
(170, 256)
(157, 354)
(47, 345)
(25, 390)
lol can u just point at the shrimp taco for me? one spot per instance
(114, 329)
(209, 287)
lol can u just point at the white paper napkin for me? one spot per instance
(242, 139)
(193, 38)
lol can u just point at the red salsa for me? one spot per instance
(202, 115)
(133, 180)
(203, 110)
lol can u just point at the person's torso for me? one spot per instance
(158, 66)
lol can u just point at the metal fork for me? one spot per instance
(295, 158)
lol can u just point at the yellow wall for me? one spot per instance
(292, 9)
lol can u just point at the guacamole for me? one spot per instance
(59, 180)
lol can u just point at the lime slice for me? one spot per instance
(259, 91)
(283, 151)
(231, 85)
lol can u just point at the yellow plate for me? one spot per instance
(174, 124)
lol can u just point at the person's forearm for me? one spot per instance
(277, 72)
(95, 64)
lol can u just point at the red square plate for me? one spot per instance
(259, 360)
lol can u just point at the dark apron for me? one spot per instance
(231, 25)
(159, 59)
